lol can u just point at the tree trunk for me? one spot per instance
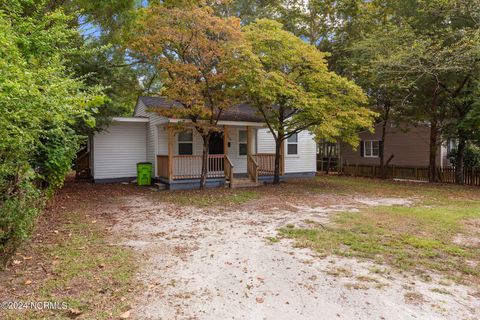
(203, 175)
(383, 170)
(329, 159)
(386, 118)
(459, 160)
(432, 176)
(278, 145)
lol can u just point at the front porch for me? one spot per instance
(234, 161)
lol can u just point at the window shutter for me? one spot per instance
(362, 148)
(380, 148)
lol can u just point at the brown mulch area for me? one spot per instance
(30, 268)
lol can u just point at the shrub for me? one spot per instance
(40, 104)
(471, 159)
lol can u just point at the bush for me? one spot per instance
(471, 158)
(40, 104)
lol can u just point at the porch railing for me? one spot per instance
(229, 171)
(252, 168)
(266, 163)
(190, 167)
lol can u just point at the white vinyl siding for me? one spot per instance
(304, 161)
(266, 143)
(239, 162)
(118, 149)
(152, 132)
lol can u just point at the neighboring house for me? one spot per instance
(242, 151)
(409, 146)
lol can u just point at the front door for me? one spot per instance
(216, 143)
(215, 147)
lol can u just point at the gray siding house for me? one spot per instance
(408, 144)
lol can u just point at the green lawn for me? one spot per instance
(419, 238)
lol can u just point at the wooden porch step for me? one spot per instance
(243, 183)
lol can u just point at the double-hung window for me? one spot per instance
(242, 142)
(371, 148)
(292, 144)
(185, 143)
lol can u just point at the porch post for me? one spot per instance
(225, 140)
(170, 153)
(225, 148)
(249, 141)
(155, 148)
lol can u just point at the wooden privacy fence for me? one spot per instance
(444, 174)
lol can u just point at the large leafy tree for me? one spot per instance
(292, 88)
(195, 51)
(41, 103)
(433, 55)
(355, 56)
(102, 62)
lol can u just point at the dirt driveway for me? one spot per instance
(227, 262)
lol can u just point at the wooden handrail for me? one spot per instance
(162, 166)
(229, 170)
(252, 168)
(266, 163)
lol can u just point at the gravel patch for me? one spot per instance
(219, 264)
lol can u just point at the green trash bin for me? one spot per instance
(144, 173)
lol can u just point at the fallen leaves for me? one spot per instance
(125, 315)
(75, 312)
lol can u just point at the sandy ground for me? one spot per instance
(218, 264)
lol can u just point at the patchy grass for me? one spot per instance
(210, 197)
(71, 261)
(419, 238)
(428, 193)
(441, 291)
(273, 239)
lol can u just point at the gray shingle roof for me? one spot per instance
(241, 112)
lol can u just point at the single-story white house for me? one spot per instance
(243, 150)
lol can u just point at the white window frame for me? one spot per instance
(179, 142)
(370, 144)
(292, 142)
(240, 142)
